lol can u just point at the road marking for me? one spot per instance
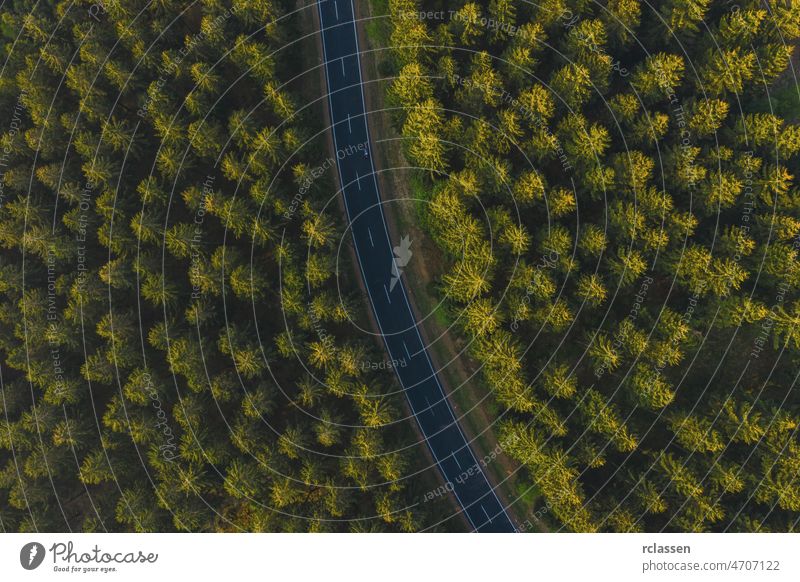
(456, 459)
(430, 409)
(369, 232)
(336, 7)
(486, 514)
(344, 74)
(358, 180)
(387, 293)
(328, 70)
(405, 347)
(349, 126)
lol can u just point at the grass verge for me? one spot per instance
(404, 195)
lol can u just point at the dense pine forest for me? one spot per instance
(176, 344)
(615, 187)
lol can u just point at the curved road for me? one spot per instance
(388, 296)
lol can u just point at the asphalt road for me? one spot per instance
(376, 257)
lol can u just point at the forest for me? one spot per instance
(176, 345)
(615, 187)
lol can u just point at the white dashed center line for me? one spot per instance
(486, 514)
